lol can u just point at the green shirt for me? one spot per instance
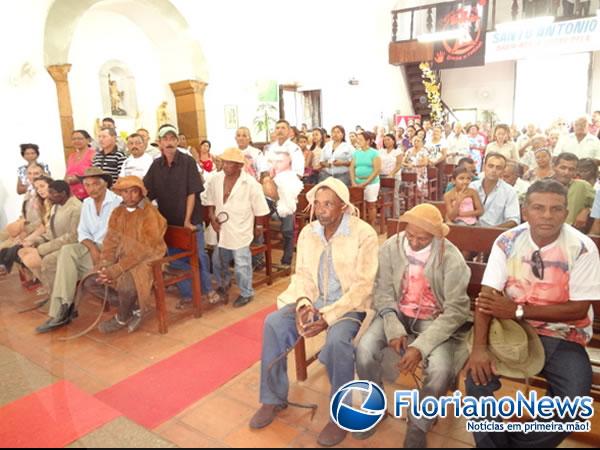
(364, 166)
(581, 195)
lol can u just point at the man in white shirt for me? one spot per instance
(256, 162)
(154, 152)
(284, 144)
(138, 162)
(512, 175)
(458, 144)
(240, 196)
(544, 274)
(581, 143)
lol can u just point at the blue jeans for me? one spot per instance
(185, 287)
(567, 370)
(280, 333)
(287, 230)
(242, 259)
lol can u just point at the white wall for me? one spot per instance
(595, 85)
(29, 111)
(315, 44)
(92, 47)
(489, 87)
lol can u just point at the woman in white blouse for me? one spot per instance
(337, 156)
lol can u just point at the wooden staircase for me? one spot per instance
(416, 89)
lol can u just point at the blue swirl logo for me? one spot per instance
(372, 410)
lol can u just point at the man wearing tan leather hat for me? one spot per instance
(423, 309)
(135, 237)
(237, 196)
(544, 274)
(335, 272)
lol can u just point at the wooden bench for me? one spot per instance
(385, 202)
(184, 240)
(463, 238)
(264, 248)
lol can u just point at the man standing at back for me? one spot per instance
(109, 158)
(283, 144)
(581, 143)
(174, 182)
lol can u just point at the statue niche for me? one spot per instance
(118, 90)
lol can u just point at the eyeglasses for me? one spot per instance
(537, 265)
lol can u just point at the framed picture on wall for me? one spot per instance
(231, 117)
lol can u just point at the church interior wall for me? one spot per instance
(316, 45)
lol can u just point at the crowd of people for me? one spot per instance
(105, 221)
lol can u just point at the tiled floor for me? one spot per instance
(29, 362)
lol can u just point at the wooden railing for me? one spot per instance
(504, 10)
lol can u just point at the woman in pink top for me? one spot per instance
(463, 205)
(80, 160)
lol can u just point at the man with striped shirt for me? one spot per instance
(110, 159)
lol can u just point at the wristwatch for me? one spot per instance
(520, 312)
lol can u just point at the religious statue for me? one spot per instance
(116, 97)
(162, 116)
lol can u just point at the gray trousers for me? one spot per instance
(438, 366)
(74, 263)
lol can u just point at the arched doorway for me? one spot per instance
(182, 63)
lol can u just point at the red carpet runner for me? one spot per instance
(52, 417)
(161, 391)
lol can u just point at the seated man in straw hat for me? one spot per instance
(75, 261)
(335, 269)
(545, 273)
(135, 237)
(422, 309)
(237, 194)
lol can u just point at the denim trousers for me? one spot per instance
(185, 287)
(280, 334)
(242, 259)
(567, 370)
(287, 231)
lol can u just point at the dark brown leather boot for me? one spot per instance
(265, 415)
(331, 435)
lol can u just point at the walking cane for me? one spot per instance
(222, 218)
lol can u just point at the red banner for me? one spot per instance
(469, 19)
(405, 121)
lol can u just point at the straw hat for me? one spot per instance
(515, 347)
(129, 182)
(428, 218)
(233, 155)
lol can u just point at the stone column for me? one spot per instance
(60, 76)
(191, 116)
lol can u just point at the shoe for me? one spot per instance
(213, 297)
(135, 321)
(3, 270)
(265, 415)
(64, 317)
(242, 301)
(361, 436)
(331, 435)
(415, 437)
(111, 326)
(184, 303)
